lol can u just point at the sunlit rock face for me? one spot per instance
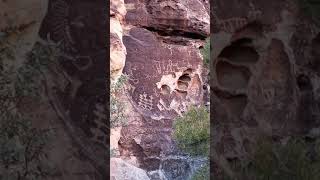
(265, 78)
(165, 76)
(117, 48)
(190, 16)
(19, 25)
(124, 170)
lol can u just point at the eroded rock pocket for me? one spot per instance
(231, 76)
(240, 52)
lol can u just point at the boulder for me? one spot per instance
(121, 170)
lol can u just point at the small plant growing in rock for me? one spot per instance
(22, 150)
(123, 79)
(205, 51)
(117, 108)
(192, 131)
(22, 147)
(117, 112)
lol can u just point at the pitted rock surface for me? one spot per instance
(161, 82)
(166, 76)
(263, 81)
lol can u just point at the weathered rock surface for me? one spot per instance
(124, 170)
(165, 70)
(173, 16)
(19, 26)
(117, 49)
(265, 78)
(76, 87)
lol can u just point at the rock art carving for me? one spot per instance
(145, 101)
(79, 101)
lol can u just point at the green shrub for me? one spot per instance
(22, 150)
(292, 161)
(28, 76)
(117, 107)
(22, 147)
(205, 51)
(192, 131)
(117, 86)
(202, 174)
(117, 112)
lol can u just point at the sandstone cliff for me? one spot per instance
(165, 76)
(265, 77)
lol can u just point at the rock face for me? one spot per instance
(76, 88)
(19, 25)
(265, 78)
(165, 70)
(117, 49)
(173, 16)
(123, 170)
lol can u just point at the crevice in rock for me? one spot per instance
(176, 33)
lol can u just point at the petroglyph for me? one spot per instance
(145, 101)
(164, 67)
(154, 76)
(61, 29)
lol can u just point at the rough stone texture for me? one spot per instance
(165, 71)
(76, 87)
(117, 49)
(123, 170)
(181, 16)
(19, 26)
(265, 78)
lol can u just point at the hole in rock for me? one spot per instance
(185, 78)
(187, 71)
(182, 94)
(304, 83)
(182, 85)
(165, 89)
(237, 52)
(204, 87)
(230, 76)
